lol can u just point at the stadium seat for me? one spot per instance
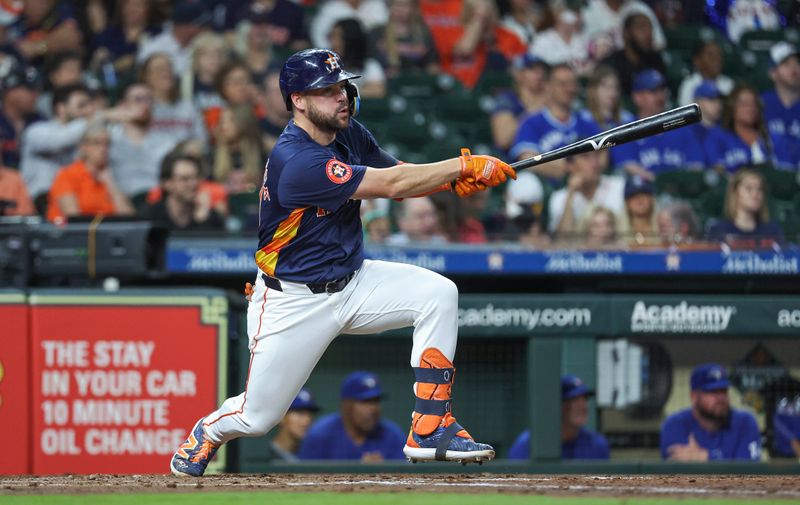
(686, 37)
(763, 40)
(781, 184)
(688, 184)
(493, 82)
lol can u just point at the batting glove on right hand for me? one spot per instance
(480, 172)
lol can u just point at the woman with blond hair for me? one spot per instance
(199, 86)
(603, 99)
(238, 156)
(746, 220)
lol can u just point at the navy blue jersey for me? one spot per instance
(587, 445)
(739, 440)
(784, 121)
(309, 227)
(328, 439)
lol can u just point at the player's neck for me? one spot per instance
(317, 134)
(787, 95)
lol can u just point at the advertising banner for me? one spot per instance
(119, 379)
(14, 384)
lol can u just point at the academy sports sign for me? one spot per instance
(680, 318)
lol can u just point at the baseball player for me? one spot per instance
(313, 282)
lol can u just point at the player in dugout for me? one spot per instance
(710, 429)
(313, 282)
(577, 441)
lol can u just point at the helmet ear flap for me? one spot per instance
(352, 98)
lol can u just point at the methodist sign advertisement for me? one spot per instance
(118, 380)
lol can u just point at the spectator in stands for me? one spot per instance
(118, 44)
(678, 224)
(184, 207)
(238, 156)
(786, 427)
(199, 86)
(377, 226)
(707, 60)
(172, 117)
(586, 189)
(639, 225)
(638, 52)
(564, 42)
(601, 230)
(418, 223)
(255, 47)
(18, 89)
(746, 222)
(708, 98)
(467, 34)
(606, 18)
(137, 149)
(522, 18)
(782, 104)
(284, 20)
(276, 116)
(527, 97)
(293, 427)
(405, 43)
(735, 17)
(577, 441)
(370, 13)
(522, 219)
(348, 39)
(743, 139)
(60, 69)
(43, 28)
(50, 145)
(14, 198)
(469, 228)
(677, 150)
(556, 125)
(603, 99)
(358, 432)
(235, 85)
(87, 187)
(710, 429)
(189, 18)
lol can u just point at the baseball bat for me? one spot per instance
(635, 130)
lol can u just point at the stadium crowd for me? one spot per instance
(168, 110)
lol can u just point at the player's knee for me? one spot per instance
(446, 293)
(262, 425)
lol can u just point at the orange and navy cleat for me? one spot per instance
(193, 456)
(447, 443)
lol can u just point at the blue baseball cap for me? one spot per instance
(572, 386)
(648, 80)
(527, 60)
(304, 401)
(709, 377)
(707, 89)
(361, 386)
(636, 185)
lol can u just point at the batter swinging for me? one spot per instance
(314, 283)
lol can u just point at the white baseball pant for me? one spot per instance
(289, 331)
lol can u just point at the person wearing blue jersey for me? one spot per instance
(293, 428)
(782, 104)
(710, 429)
(743, 139)
(358, 431)
(577, 441)
(313, 282)
(674, 150)
(556, 125)
(709, 99)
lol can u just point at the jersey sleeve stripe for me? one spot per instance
(267, 256)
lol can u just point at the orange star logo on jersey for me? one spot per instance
(338, 172)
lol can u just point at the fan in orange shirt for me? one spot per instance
(465, 32)
(14, 197)
(87, 187)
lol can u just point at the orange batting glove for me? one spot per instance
(480, 172)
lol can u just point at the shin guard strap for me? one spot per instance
(434, 375)
(444, 442)
(432, 407)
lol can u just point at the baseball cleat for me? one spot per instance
(194, 455)
(444, 445)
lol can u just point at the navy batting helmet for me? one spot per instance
(315, 69)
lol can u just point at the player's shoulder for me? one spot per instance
(677, 419)
(327, 424)
(742, 419)
(593, 438)
(391, 429)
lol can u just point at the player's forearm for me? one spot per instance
(407, 180)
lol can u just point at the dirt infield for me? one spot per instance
(747, 487)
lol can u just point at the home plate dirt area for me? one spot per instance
(727, 486)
